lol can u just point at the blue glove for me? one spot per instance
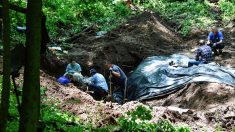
(214, 45)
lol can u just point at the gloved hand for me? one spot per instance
(110, 69)
(214, 45)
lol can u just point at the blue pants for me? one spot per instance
(191, 63)
(118, 94)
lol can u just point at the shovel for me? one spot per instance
(125, 92)
(109, 97)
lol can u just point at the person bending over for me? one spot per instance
(118, 78)
(216, 40)
(97, 84)
(73, 71)
(203, 55)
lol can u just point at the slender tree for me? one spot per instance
(30, 108)
(6, 67)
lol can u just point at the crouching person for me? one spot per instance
(203, 55)
(97, 84)
(73, 72)
(216, 40)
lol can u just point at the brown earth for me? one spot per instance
(70, 98)
(199, 96)
(200, 106)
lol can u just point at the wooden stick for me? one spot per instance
(125, 92)
(16, 8)
(110, 85)
(78, 35)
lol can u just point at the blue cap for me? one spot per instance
(93, 71)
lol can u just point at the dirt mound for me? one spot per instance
(203, 107)
(199, 96)
(219, 118)
(142, 36)
(74, 100)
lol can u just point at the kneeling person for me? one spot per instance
(203, 55)
(98, 84)
(73, 70)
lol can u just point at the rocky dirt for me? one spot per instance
(199, 96)
(210, 105)
(201, 106)
(71, 98)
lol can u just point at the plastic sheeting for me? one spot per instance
(154, 77)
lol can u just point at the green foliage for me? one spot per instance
(141, 113)
(43, 90)
(139, 121)
(218, 128)
(17, 19)
(182, 129)
(14, 115)
(187, 15)
(66, 17)
(228, 9)
(60, 14)
(70, 14)
(55, 120)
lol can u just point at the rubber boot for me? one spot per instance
(215, 52)
(220, 51)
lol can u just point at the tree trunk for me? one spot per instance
(6, 67)
(30, 108)
(15, 7)
(44, 32)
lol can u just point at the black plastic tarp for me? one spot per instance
(154, 77)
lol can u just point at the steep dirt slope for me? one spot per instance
(203, 106)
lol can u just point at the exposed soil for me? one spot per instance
(210, 103)
(200, 96)
(70, 98)
(201, 106)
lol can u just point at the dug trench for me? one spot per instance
(205, 105)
